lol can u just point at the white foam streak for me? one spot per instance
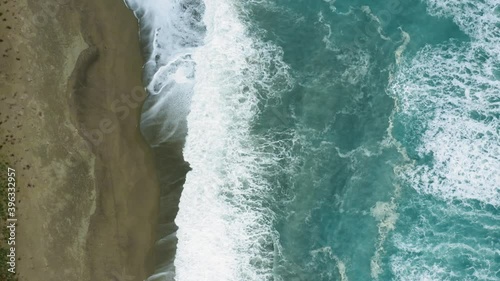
(225, 230)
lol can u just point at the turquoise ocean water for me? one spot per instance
(330, 140)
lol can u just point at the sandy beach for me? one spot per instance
(71, 92)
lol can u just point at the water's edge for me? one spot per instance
(171, 169)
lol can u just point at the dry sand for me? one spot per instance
(69, 75)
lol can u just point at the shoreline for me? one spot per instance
(70, 113)
(170, 164)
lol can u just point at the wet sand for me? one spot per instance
(70, 99)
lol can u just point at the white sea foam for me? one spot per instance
(170, 30)
(448, 93)
(225, 229)
(479, 19)
(451, 94)
(406, 270)
(432, 247)
(202, 60)
(448, 98)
